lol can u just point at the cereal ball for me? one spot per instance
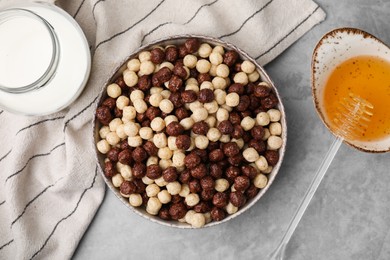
(192, 160)
(112, 138)
(144, 56)
(254, 76)
(267, 134)
(164, 153)
(104, 131)
(146, 67)
(206, 95)
(217, 214)
(164, 196)
(220, 199)
(155, 99)
(274, 142)
(133, 65)
(257, 132)
(247, 123)
(275, 128)
(129, 112)
(140, 106)
(117, 180)
(169, 119)
(204, 50)
(139, 154)
(219, 83)
(241, 77)
(183, 142)
(237, 198)
(192, 45)
(161, 182)
(167, 64)
(189, 215)
(219, 49)
(220, 96)
(199, 171)
(177, 210)
(153, 171)
(152, 160)
(113, 90)
(130, 78)
(152, 190)
(260, 181)
(247, 67)
(150, 148)
(190, 61)
(203, 66)
(262, 119)
(166, 106)
(185, 190)
(192, 199)
(135, 200)
(172, 143)
(114, 124)
(146, 180)
(201, 142)
(250, 154)
(211, 121)
(262, 90)
(215, 58)
(241, 183)
(122, 101)
(153, 206)
(199, 114)
(223, 70)
(160, 140)
(170, 174)
(134, 141)
(230, 57)
(225, 127)
(131, 128)
(174, 187)
(240, 142)
(272, 158)
(274, 115)
(174, 129)
(187, 123)
(103, 146)
(221, 185)
(222, 115)
(146, 133)
(213, 134)
(157, 124)
(261, 163)
(232, 99)
(231, 209)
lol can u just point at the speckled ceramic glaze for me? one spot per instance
(334, 48)
(179, 40)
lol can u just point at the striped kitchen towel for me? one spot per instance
(50, 186)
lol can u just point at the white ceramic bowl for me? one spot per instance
(179, 40)
(334, 48)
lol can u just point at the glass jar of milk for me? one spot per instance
(44, 59)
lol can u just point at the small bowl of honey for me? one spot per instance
(349, 60)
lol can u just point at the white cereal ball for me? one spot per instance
(207, 217)
(254, 76)
(260, 181)
(248, 67)
(215, 58)
(164, 196)
(268, 170)
(184, 191)
(274, 142)
(192, 81)
(119, 166)
(144, 56)
(160, 140)
(164, 153)
(152, 190)
(167, 64)
(223, 70)
(153, 206)
(267, 134)
(213, 134)
(151, 160)
(198, 220)
(220, 96)
(204, 50)
(231, 209)
(172, 143)
(104, 131)
(250, 154)
(146, 68)
(274, 115)
(146, 133)
(219, 83)
(213, 70)
(275, 128)
(134, 141)
(247, 123)
(114, 124)
(140, 106)
(120, 131)
(203, 66)
(221, 185)
(178, 159)
(195, 105)
(222, 114)
(187, 123)
(241, 77)
(117, 180)
(192, 87)
(211, 121)
(201, 142)
(155, 90)
(165, 93)
(122, 102)
(219, 49)
(232, 99)
(190, 61)
(131, 129)
(224, 139)
(129, 112)
(199, 114)
(161, 182)
(229, 109)
(133, 65)
(113, 90)
(240, 142)
(261, 163)
(103, 146)
(166, 106)
(174, 187)
(130, 78)
(136, 94)
(157, 124)
(135, 200)
(112, 138)
(192, 199)
(169, 119)
(189, 215)
(262, 119)
(155, 99)
(146, 180)
(206, 85)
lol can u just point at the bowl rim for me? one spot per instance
(314, 91)
(264, 76)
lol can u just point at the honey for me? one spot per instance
(369, 78)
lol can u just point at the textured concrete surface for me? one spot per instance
(349, 217)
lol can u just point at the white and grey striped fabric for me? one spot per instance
(50, 186)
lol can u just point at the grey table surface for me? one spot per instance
(349, 217)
